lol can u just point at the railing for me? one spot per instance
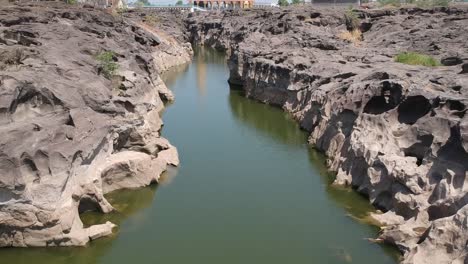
(175, 7)
(171, 7)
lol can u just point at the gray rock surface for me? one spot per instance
(69, 134)
(173, 49)
(397, 133)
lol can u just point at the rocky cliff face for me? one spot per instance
(395, 132)
(69, 134)
(174, 49)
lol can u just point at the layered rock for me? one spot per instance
(69, 133)
(395, 132)
(173, 49)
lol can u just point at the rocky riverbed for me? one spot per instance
(80, 96)
(397, 133)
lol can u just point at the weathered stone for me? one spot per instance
(69, 134)
(395, 132)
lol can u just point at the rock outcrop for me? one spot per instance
(70, 133)
(397, 133)
(173, 49)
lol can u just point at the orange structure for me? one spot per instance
(222, 4)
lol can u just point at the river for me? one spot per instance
(249, 190)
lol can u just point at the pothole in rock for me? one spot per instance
(88, 204)
(390, 97)
(442, 210)
(90, 212)
(126, 202)
(456, 107)
(412, 109)
(419, 149)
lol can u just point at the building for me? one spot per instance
(222, 4)
(104, 3)
(335, 2)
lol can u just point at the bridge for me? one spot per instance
(223, 4)
(190, 8)
(200, 5)
(168, 7)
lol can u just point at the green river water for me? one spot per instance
(249, 190)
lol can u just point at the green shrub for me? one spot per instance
(283, 2)
(431, 3)
(139, 5)
(414, 58)
(351, 19)
(122, 10)
(71, 2)
(441, 2)
(107, 65)
(396, 3)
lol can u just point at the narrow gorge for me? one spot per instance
(83, 92)
(395, 132)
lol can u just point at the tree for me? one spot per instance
(141, 3)
(283, 2)
(295, 2)
(179, 2)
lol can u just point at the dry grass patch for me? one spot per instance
(151, 20)
(354, 36)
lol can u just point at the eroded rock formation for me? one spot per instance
(395, 132)
(69, 134)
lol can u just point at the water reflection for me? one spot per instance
(128, 203)
(356, 205)
(273, 122)
(209, 56)
(201, 73)
(265, 119)
(204, 57)
(170, 76)
(279, 126)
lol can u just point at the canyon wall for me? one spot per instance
(397, 133)
(80, 96)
